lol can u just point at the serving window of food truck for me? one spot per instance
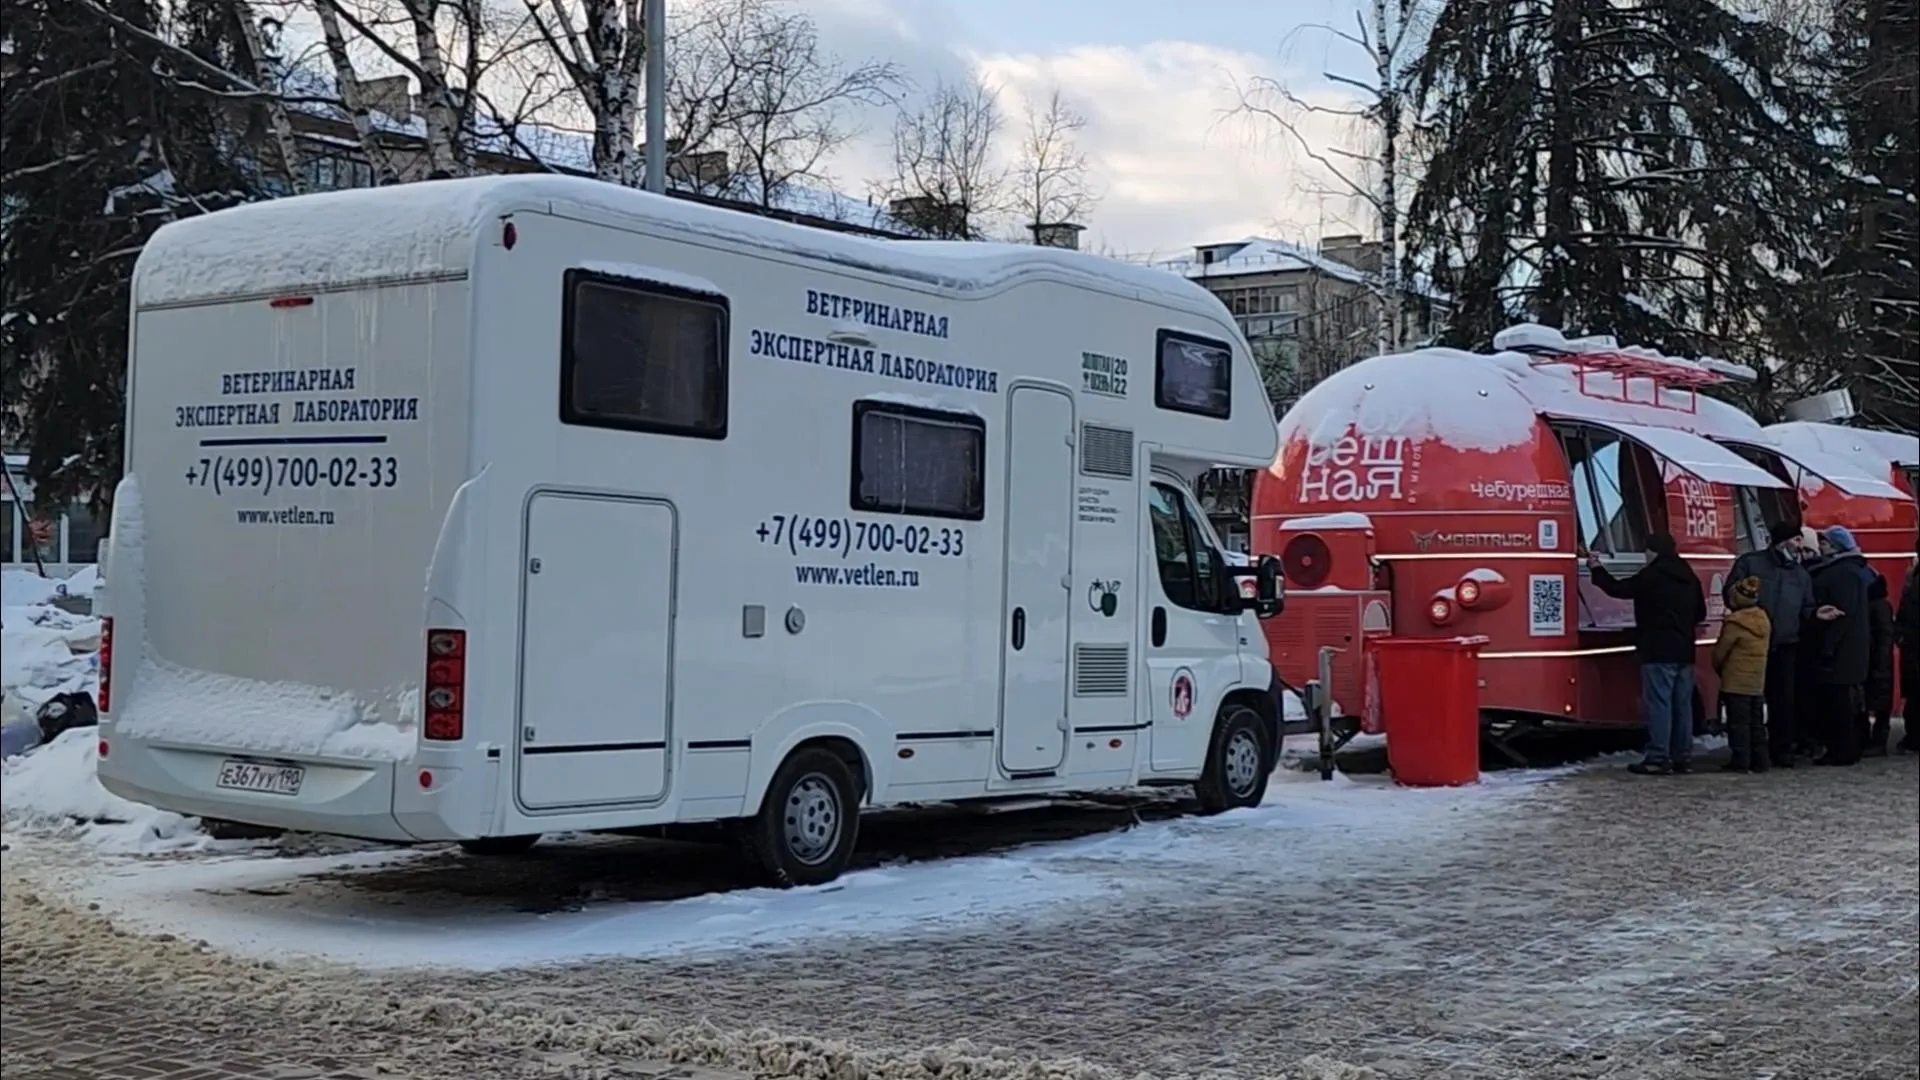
(1617, 494)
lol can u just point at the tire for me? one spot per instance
(500, 845)
(1239, 762)
(808, 822)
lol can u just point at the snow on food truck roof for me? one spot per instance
(428, 229)
(1488, 402)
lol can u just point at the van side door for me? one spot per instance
(1192, 638)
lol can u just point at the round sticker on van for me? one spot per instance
(1182, 693)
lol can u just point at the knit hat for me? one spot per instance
(1780, 532)
(1661, 543)
(1840, 538)
(1809, 539)
(1746, 592)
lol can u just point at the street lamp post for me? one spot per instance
(656, 147)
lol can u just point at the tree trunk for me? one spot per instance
(264, 78)
(1387, 197)
(1562, 169)
(444, 158)
(348, 82)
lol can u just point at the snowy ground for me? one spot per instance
(1579, 923)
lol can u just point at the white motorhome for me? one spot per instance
(475, 510)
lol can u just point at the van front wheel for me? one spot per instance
(1238, 762)
(808, 823)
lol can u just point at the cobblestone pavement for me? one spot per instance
(1707, 927)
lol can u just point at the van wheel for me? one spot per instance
(1238, 762)
(808, 823)
(500, 845)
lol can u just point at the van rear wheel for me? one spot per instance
(500, 845)
(808, 823)
(1239, 762)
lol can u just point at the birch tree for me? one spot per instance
(602, 54)
(1388, 33)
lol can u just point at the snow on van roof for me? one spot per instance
(414, 231)
(1491, 401)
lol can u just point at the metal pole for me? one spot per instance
(656, 147)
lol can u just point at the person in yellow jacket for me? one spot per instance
(1740, 659)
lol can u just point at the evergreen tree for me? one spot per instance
(118, 116)
(1642, 170)
(1879, 62)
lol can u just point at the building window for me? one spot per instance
(1260, 300)
(643, 357)
(84, 530)
(331, 172)
(909, 460)
(1194, 375)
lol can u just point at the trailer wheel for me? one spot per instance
(808, 823)
(1238, 762)
(500, 845)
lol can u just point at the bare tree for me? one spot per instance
(1050, 180)
(1389, 34)
(794, 105)
(604, 66)
(945, 182)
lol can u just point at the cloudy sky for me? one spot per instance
(1155, 79)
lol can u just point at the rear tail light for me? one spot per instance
(1440, 610)
(1469, 592)
(103, 697)
(444, 696)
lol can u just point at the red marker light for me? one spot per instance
(290, 302)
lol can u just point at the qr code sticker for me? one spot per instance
(1546, 605)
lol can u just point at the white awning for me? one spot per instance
(1832, 468)
(1691, 453)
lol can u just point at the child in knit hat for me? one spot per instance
(1740, 659)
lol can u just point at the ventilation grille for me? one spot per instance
(1100, 670)
(1106, 451)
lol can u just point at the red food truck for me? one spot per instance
(1442, 493)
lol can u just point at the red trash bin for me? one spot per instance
(1430, 707)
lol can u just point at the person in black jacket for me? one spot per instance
(1875, 722)
(1668, 606)
(1786, 595)
(1906, 631)
(1840, 586)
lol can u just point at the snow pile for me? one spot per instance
(43, 650)
(1456, 398)
(53, 789)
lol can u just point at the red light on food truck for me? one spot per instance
(444, 694)
(1440, 611)
(290, 302)
(1469, 592)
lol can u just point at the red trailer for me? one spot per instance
(1441, 492)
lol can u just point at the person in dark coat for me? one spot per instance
(1876, 718)
(1840, 584)
(1668, 606)
(1906, 631)
(1786, 595)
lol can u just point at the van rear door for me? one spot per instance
(293, 459)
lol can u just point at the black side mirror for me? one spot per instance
(1268, 598)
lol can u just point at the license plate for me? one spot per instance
(255, 776)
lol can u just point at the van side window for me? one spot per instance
(926, 462)
(1193, 375)
(643, 357)
(1190, 570)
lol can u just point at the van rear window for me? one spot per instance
(926, 462)
(1194, 375)
(643, 357)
